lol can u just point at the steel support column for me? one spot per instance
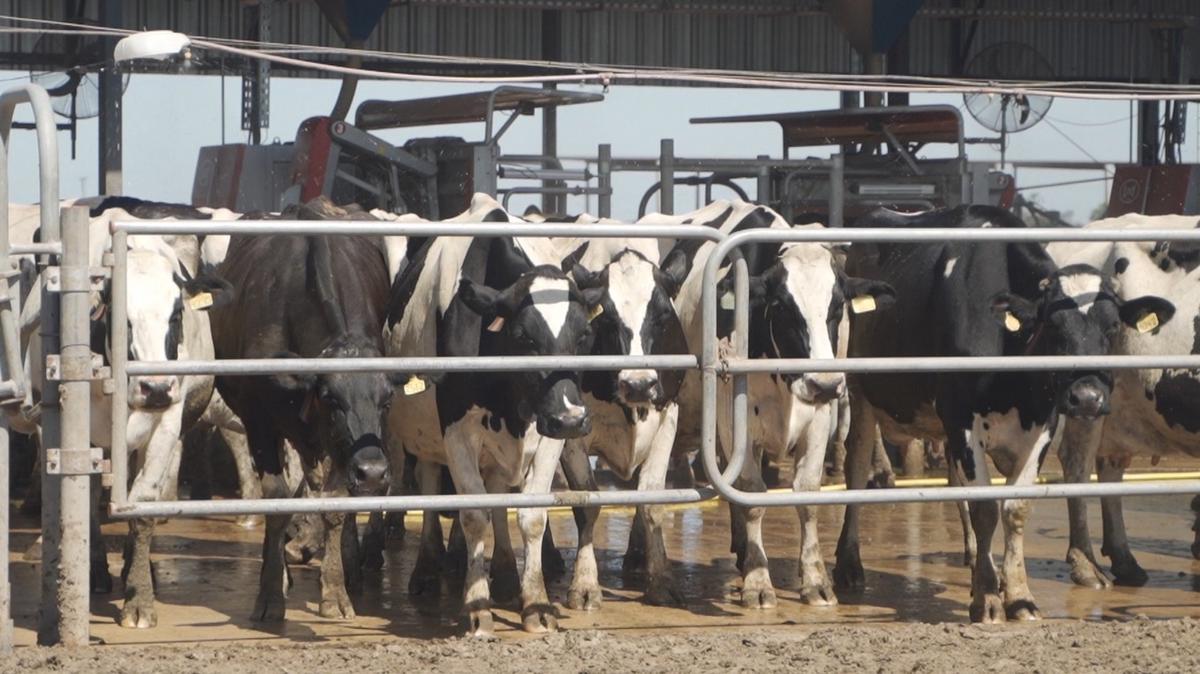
(110, 179)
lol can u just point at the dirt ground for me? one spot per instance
(912, 615)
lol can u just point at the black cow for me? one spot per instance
(495, 431)
(979, 299)
(320, 296)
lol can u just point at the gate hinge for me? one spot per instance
(77, 369)
(96, 276)
(89, 461)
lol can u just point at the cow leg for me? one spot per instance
(505, 579)
(585, 591)
(757, 590)
(955, 477)
(100, 578)
(660, 582)
(1125, 567)
(1196, 527)
(268, 449)
(537, 613)
(464, 469)
(248, 483)
(837, 444)
(426, 575)
(634, 560)
(986, 605)
(335, 600)
(1018, 599)
(156, 479)
(883, 476)
(1077, 452)
(815, 587)
(860, 445)
(553, 564)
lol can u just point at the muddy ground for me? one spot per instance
(1066, 646)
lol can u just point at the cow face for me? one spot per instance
(799, 303)
(347, 412)
(543, 313)
(636, 317)
(158, 286)
(1078, 314)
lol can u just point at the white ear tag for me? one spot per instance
(1011, 323)
(496, 325)
(863, 304)
(595, 312)
(200, 301)
(1148, 322)
(727, 301)
(414, 385)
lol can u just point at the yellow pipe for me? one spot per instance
(903, 483)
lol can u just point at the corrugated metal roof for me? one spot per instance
(770, 35)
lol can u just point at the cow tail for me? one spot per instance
(321, 267)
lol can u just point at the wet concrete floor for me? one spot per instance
(207, 574)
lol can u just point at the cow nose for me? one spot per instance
(637, 386)
(573, 422)
(157, 392)
(1086, 399)
(823, 389)
(369, 472)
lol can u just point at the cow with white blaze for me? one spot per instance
(977, 299)
(797, 295)
(1154, 412)
(497, 296)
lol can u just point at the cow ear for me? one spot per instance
(592, 298)
(865, 295)
(1147, 312)
(292, 383)
(207, 291)
(675, 268)
(1013, 312)
(759, 292)
(571, 261)
(481, 299)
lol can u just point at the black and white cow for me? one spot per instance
(167, 305)
(981, 299)
(319, 296)
(499, 296)
(797, 294)
(1154, 412)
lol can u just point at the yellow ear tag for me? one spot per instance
(200, 301)
(727, 301)
(497, 324)
(1148, 322)
(1011, 323)
(863, 304)
(414, 385)
(595, 312)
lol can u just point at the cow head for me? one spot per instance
(543, 313)
(796, 308)
(635, 316)
(160, 291)
(1078, 314)
(347, 411)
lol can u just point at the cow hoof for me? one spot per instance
(1129, 573)
(539, 619)
(1085, 572)
(478, 624)
(1022, 609)
(987, 609)
(250, 521)
(759, 598)
(663, 593)
(848, 576)
(268, 609)
(587, 598)
(818, 595)
(337, 607)
(137, 615)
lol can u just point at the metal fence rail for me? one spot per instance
(711, 367)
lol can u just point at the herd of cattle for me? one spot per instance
(344, 296)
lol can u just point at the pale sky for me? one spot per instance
(169, 117)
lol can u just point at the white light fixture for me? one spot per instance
(896, 190)
(156, 45)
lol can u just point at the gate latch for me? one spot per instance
(76, 370)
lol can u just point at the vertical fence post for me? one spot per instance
(119, 339)
(70, 461)
(666, 176)
(837, 191)
(764, 181)
(604, 180)
(6, 626)
(48, 330)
